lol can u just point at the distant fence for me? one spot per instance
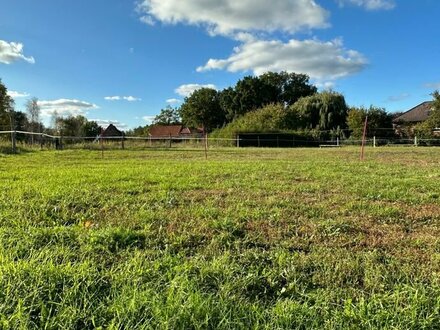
(13, 141)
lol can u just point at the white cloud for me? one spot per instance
(12, 52)
(147, 20)
(16, 95)
(397, 98)
(149, 119)
(65, 107)
(370, 4)
(228, 17)
(188, 89)
(119, 98)
(325, 85)
(320, 60)
(105, 123)
(173, 101)
(433, 85)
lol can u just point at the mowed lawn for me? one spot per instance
(248, 239)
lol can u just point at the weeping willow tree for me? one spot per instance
(325, 112)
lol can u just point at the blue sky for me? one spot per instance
(122, 61)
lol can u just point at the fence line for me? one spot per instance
(241, 140)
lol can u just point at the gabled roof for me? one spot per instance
(111, 130)
(165, 130)
(417, 114)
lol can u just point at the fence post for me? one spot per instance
(374, 141)
(238, 141)
(337, 141)
(14, 143)
(122, 143)
(206, 145)
(415, 141)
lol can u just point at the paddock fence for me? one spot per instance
(14, 141)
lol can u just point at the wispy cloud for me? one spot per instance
(122, 98)
(13, 51)
(173, 101)
(370, 4)
(16, 95)
(188, 89)
(65, 107)
(433, 85)
(148, 119)
(397, 98)
(105, 123)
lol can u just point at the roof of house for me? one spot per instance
(165, 130)
(111, 130)
(191, 130)
(417, 114)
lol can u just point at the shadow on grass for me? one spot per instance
(7, 150)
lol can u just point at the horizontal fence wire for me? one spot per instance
(23, 139)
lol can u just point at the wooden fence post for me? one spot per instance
(14, 143)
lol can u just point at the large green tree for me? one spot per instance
(323, 111)
(167, 116)
(252, 93)
(77, 126)
(380, 123)
(6, 108)
(202, 109)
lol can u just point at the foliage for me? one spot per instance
(323, 111)
(167, 116)
(248, 239)
(380, 123)
(139, 131)
(6, 108)
(33, 110)
(77, 126)
(426, 129)
(268, 119)
(252, 93)
(202, 109)
(91, 129)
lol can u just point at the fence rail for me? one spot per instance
(23, 139)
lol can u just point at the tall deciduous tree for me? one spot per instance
(6, 108)
(380, 123)
(33, 110)
(322, 111)
(251, 93)
(203, 109)
(167, 116)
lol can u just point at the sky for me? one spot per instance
(122, 61)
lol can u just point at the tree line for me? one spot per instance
(285, 102)
(13, 120)
(294, 103)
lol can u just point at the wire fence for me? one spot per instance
(14, 141)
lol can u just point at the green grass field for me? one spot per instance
(248, 239)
